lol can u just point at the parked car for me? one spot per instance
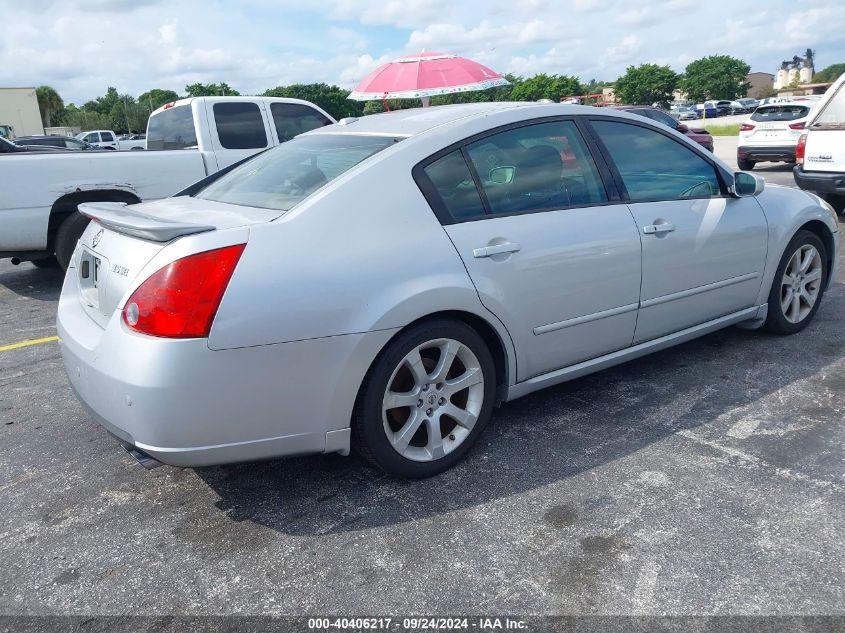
(686, 113)
(38, 217)
(707, 110)
(7, 147)
(746, 105)
(699, 135)
(67, 142)
(107, 139)
(383, 283)
(723, 107)
(820, 153)
(771, 133)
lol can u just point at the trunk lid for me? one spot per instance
(825, 149)
(122, 239)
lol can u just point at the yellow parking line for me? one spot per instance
(37, 341)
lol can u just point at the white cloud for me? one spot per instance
(82, 46)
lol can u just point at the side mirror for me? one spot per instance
(747, 185)
(682, 128)
(502, 175)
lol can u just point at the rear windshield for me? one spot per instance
(172, 129)
(780, 113)
(832, 115)
(282, 177)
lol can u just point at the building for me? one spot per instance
(19, 109)
(799, 70)
(63, 130)
(760, 84)
(805, 89)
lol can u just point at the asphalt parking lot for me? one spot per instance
(705, 479)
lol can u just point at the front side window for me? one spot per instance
(240, 125)
(282, 177)
(92, 138)
(535, 168)
(293, 119)
(172, 128)
(654, 166)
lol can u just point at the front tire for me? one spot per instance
(426, 400)
(70, 230)
(799, 284)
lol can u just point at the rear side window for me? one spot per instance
(240, 125)
(172, 129)
(107, 137)
(654, 166)
(454, 184)
(537, 168)
(292, 119)
(780, 113)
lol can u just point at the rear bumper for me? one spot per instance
(184, 404)
(763, 153)
(819, 181)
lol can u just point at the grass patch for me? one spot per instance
(722, 130)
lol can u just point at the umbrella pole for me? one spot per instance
(425, 101)
(386, 107)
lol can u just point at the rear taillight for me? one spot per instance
(800, 149)
(796, 126)
(181, 299)
(746, 127)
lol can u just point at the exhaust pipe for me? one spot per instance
(142, 458)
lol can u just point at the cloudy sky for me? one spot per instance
(82, 46)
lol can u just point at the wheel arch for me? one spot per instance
(68, 203)
(823, 232)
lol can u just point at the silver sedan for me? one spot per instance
(383, 283)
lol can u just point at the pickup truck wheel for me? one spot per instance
(744, 164)
(837, 202)
(68, 235)
(46, 262)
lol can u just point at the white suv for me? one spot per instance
(771, 133)
(821, 150)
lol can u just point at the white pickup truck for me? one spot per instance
(107, 139)
(820, 154)
(190, 139)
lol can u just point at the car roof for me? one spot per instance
(414, 121)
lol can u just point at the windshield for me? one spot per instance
(172, 129)
(282, 177)
(780, 113)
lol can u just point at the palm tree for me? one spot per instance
(49, 102)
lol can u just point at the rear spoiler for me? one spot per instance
(117, 217)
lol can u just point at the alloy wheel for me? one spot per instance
(433, 399)
(801, 282)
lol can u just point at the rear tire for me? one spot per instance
(403, 420)
(70, 230)
(46, 262)
(744, 164)
(798, 286)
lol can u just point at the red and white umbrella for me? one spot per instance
(426, 75)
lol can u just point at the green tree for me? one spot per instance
(85, 119)
(105, 104)
(646, 84)
(211, 90)
(499, 93)
(831, 73)
(49, 103)
(545, 86)
(332, 99)
(157, 97)
(127, 115)
(715, 77)
(374, 107)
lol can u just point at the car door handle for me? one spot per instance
(496, 249)
(653, 229)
